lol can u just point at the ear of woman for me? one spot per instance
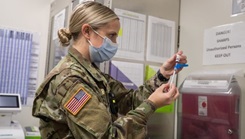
(86, 31)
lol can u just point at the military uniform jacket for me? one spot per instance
(73, 103)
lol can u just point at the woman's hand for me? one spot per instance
(164, 95)
(167, 67)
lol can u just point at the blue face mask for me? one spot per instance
(105, 52)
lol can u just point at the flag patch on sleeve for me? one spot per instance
(77, 101)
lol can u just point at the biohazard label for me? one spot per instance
(202, 105)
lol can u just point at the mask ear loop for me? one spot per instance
(97, 33)
(90, 42)
(104, 37)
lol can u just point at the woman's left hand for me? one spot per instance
(167, 67)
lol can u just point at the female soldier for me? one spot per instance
(77, 100)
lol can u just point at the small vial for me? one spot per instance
(177, 58)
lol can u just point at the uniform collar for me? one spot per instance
(79, 58)
(91, 68)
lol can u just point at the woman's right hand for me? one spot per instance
(164, 95)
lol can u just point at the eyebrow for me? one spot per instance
(113, 33)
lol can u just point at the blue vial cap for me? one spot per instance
(180, 65)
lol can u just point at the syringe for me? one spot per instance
(176, 67)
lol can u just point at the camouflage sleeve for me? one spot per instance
(133, 125)
(130, 99)
(135, 106)
(153, 83)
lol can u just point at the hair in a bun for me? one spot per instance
(93, 13)
(64, 36)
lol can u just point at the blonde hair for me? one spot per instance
(89, 12)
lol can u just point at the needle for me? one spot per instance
(176, 67)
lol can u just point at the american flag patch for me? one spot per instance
(77, 101)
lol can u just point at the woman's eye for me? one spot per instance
(111, 36)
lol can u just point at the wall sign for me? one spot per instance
(224, 44)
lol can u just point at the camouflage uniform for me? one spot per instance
(92, 119)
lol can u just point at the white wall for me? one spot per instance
(28, 15)
(195, 17)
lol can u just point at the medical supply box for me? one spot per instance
(209, 106)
